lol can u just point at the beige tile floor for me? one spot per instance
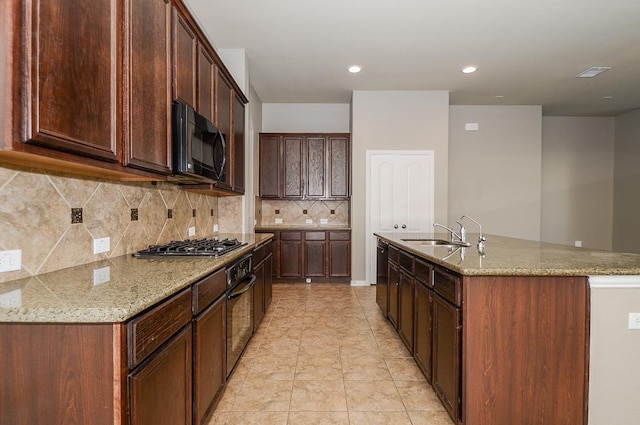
(324, 354)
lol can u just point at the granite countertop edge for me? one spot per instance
(135, 284)
(276, 227)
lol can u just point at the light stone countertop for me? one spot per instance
(315, 226)
(70, 296)
(518, 257)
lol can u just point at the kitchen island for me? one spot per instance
(120, 341)
(503, 336)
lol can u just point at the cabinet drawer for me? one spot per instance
(290, 236)
(393, 254)
(448, 286)
(422, 272)
(406, 261)
(314, 236)
(208, 290)
(339, 236)
(153, 328)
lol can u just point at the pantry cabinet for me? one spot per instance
(304, 166)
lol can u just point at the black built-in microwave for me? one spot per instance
(199, 147)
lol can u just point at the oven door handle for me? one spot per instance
(243, 290)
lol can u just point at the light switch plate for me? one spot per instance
(634, 320)
(101, 245)
(10, 260)
(11, 299)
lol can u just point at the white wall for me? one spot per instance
(495, 172)
(395, 120)
(306, 118)
(626, 198)
(577, 181)
(238, 65)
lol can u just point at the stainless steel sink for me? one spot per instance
(436, 242)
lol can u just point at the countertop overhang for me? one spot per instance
(134, 284)
(505, 256)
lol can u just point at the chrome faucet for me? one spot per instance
(481, 238)
(451, 231)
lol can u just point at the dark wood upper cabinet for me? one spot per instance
(184, 60)
(304, 166)
(315, 162)
(292, 168)
(206, 84)
(224, 99)
(270, 177)
(73, 91)
(147, 121)
(238, 145)
(339, 170)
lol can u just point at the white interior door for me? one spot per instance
(400, 186)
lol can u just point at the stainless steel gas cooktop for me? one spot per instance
(192, 247)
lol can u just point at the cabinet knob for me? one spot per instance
(404, 226)
(395, 226)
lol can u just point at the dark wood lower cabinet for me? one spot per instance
(406, 309)
(423, 328)
(446, 354)
(209, 358)
(290, 254)
(394, 290)
(160, 389)
(315, 254)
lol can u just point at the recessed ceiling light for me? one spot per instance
(354, 69)
(469, 69)
(607, 97)
(498, 96)
(593, 71)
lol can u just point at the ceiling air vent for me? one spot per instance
(593, 71)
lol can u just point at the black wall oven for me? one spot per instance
(199, 147)
(239, 294)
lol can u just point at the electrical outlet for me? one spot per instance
(215, 227)
(11, 299)
(308, 221)
(10, 260)
(192, 231)
(634, 320)
(324, 221)
(101, 275)
(101, 245)
(578, 244)
(278, 221)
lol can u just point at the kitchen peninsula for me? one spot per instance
(503, 336)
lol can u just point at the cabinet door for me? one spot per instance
(268, 280)
(406, 309)
(339, 254)
(160, 390)
(394, 288)
(270, 164)
(184, 60)
(446, 354)
(315, 254)
(72, 77)
(206, 83)
(238, 145)
(424, 330)
(258, 296)
(291, 255)
(148, 86)
(339, 175)
(292, 167)
(209, 358)
(224, 99)
(315, 166)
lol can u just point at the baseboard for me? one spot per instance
(359, 283)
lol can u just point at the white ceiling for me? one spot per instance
(527, 51)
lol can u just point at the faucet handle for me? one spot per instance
(463, 232)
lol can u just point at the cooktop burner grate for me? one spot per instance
(192, 247)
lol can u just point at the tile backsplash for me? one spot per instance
(37, 209)
(298, 212)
